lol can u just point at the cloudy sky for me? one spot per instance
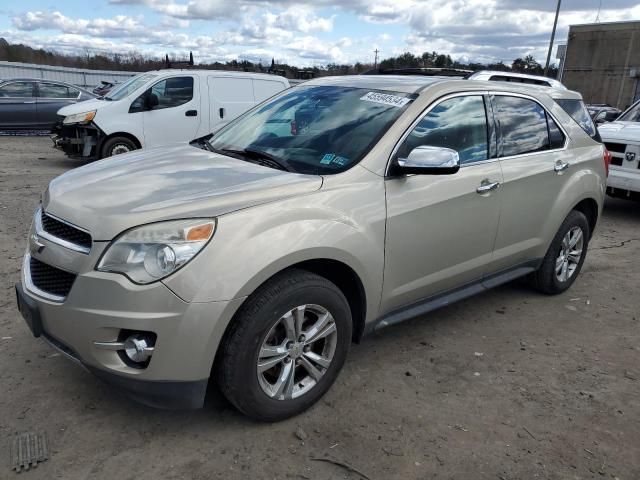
(303, 32)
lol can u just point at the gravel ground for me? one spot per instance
(506, 385)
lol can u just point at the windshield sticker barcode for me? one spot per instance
(386, 99)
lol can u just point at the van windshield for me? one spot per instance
(315, 129)
(129, 86)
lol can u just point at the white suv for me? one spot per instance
(622, 139)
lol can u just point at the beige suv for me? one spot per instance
(256, 255)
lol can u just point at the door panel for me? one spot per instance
(531, 184)
(229, 98)
(51, 98)
(441, 229)
(18, 105)
(440, 232)
(177, 116)
(530, 191)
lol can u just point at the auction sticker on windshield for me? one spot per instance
(386, 99)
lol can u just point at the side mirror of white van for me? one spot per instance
(152, 101)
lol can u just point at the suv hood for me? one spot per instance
(628, 131)
(81, 107)
(164, 183)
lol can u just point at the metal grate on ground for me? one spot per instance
(28, 450)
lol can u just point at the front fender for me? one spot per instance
(252, 245)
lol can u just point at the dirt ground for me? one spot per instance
(507, 385)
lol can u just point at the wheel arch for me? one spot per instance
(589, 208)
(337, 272)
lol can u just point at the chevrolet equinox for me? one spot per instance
(254, 256)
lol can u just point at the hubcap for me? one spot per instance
(297, 352)
(570, 254)
(120, 148)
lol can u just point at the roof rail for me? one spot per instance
(178, 64)
(427, 71)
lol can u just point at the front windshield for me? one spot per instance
(631, 115)
(130, 86)
(315, 129)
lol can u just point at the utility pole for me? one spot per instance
(553, 36)
(375, 62)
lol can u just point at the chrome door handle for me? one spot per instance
(487, 187)
(560, 166)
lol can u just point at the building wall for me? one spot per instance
(599, 61)
(75, 76)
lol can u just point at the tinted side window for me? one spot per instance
(52, 90)
(523, 124)
(173, 92)
(459, 123)
(556, 137)
(17, 90)
(578, 111)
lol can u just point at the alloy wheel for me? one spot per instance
(296, 352)
(570, 254)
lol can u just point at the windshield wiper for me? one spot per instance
(259, 157)
(203, 143)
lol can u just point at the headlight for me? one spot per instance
(79, 117)
(151, 252)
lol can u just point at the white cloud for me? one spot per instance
(304, 32)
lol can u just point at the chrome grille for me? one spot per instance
(64, 231)
(50, 280)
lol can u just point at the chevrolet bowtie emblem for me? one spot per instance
(630, 156)
(34, 243)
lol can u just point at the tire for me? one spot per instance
(550, 278)
(116, 146)
(261, 322)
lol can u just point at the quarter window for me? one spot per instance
(52, 90)
(523, 124)
(173, 92)
(17, 90)
(459, 123)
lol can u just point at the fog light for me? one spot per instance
(138, 348)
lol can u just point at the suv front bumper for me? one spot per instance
(78, 140)
(100, 307)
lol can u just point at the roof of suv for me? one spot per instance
(418, 83)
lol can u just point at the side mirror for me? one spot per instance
(427, 160)
(152, 101)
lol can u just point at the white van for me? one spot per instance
(158, 108)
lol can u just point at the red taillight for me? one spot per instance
(607, 161)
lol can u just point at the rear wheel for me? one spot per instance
(564, 259)
(117, 146)
(286, 346)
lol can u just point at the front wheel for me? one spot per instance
(117, 146)
(286, 346)
(564, 259)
